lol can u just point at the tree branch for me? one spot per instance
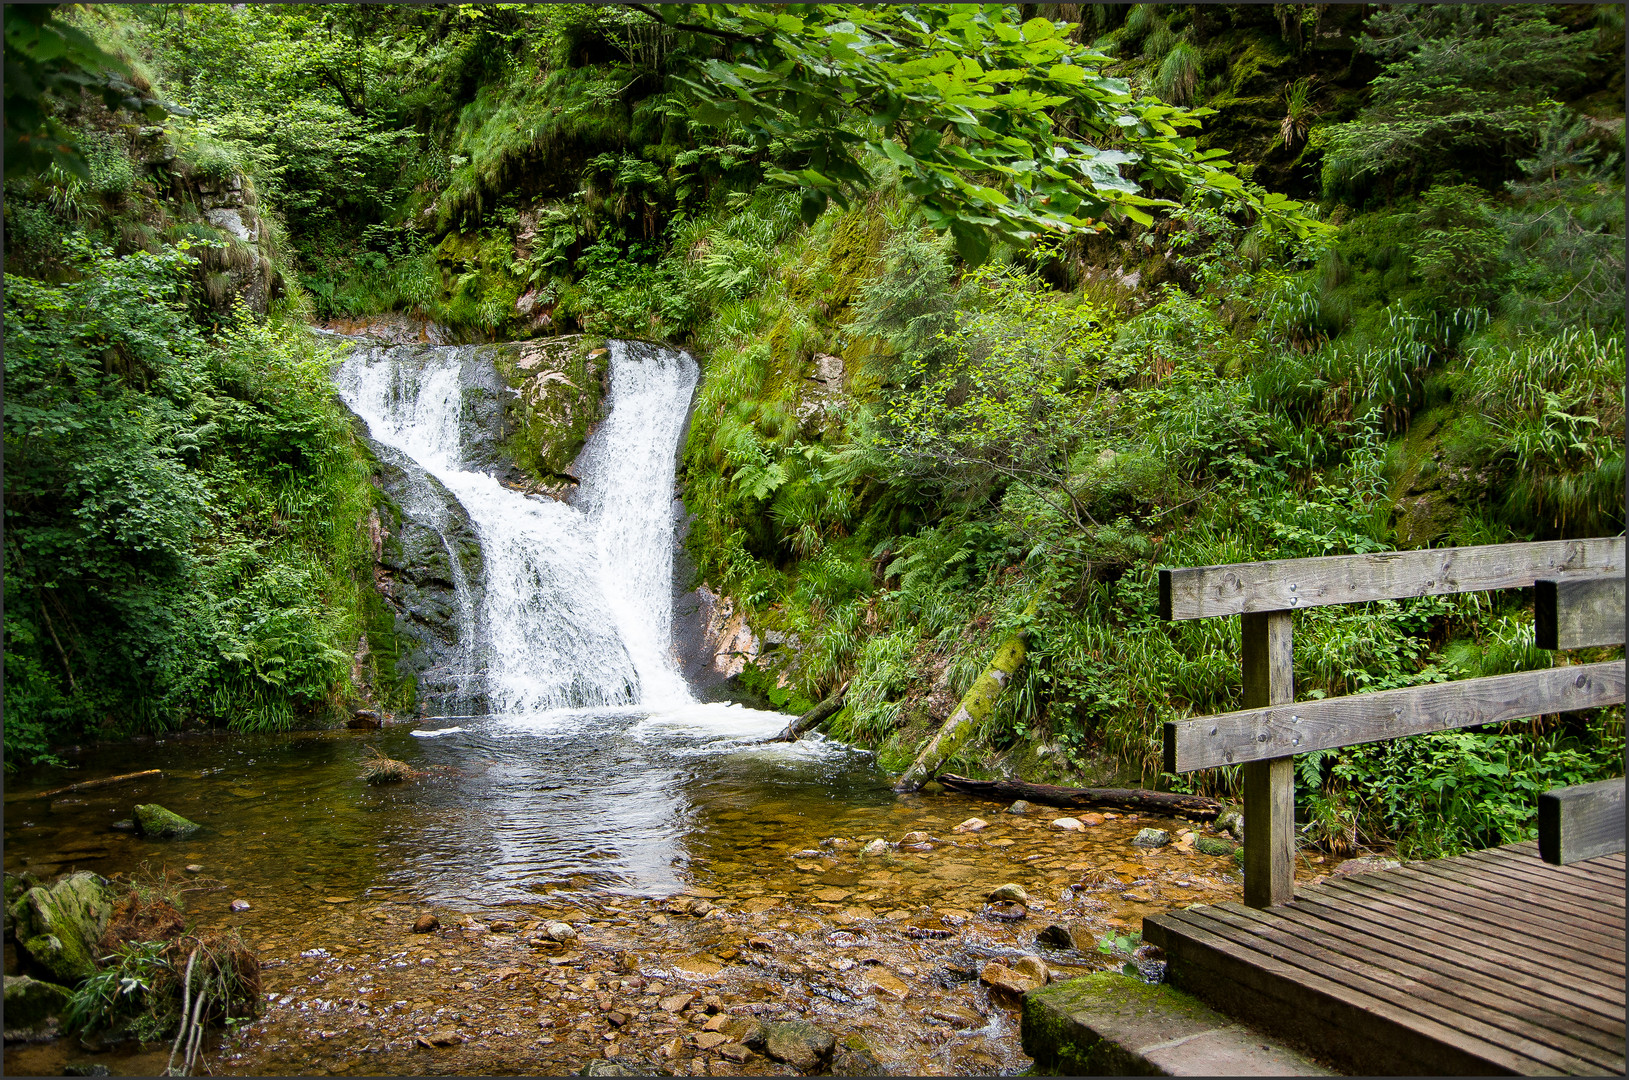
(696, 28)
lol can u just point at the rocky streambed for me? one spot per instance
(803, 927)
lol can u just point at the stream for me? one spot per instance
(580, 782)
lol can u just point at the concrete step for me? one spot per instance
(1109, 1024)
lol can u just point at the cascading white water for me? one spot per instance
(577, 609)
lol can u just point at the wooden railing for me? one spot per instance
(1273, 727)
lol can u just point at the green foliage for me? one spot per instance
(180, 512)
(1463, 90)
(960, 100)
(50, 63)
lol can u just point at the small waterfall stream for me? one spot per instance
(577, 608)
(581, 753)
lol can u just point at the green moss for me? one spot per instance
(560, 390)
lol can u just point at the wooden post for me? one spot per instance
(1269, 786)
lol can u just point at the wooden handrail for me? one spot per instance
(1577, 613)
(1581, 822)
(1203, 592)
(1265, 736)
(1297, 728)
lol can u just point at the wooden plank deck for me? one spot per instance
(1494, 963)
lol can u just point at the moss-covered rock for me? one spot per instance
(157, 823)
(30, 1003)
(57, 927)
(559, 395)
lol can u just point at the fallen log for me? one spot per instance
(975, 708)
(1139, 799)
(98, 783)
(817, 715)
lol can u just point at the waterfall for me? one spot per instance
(577, 607)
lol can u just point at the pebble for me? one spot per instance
(240, 905)
(972, 824)
(878, 846)
(1091, 820)
(1010, 892)
(1020, 807)
(915, 838)
(1151, 838)
(559, 931)
(194, 868)
(1068, 824)
(426, 923)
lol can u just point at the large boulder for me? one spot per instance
(31, 1005)
(58, 927)
(157, 823)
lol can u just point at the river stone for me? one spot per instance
(744, 1030)
(1068, 824)
(998, 976)
(86, 1068)
(972, 824)
(30, 1002)
(608, 1067)
(848, 1062)
(426, 923)
(878, 846)
(1011, 892)
(157, 823)
(1067, 935)
(123, 825)
(1151, 838)
(58, 927)
(1091, 820)
(1213, 845)
(799, 1044)
(1020, 807)
(917, 837)
(1232, 822)
(1033, 967)
(559, 931)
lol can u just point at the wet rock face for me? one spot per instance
(417, 533)
(58, 927)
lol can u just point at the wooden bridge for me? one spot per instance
(1508, 961)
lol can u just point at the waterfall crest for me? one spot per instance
(577, 607)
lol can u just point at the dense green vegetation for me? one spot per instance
(1397, 322)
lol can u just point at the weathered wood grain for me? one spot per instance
(1443, 993)
(1583, 822)
(1201, 592)
(1446, 966)
(1578, 612)
(1374, 928)
(1281, 730)
(1269, 786)
(1366, 1033)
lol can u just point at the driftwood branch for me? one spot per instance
(815, 716)
(1161, 802)
(98, 783)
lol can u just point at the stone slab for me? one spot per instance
(1108, 1024)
